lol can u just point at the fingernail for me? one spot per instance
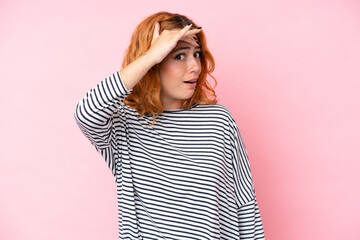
(195, 38)
(199, 27)
(189, 22)
(198, 42)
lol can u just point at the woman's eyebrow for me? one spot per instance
(183, 48)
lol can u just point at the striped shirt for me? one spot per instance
(186, 177)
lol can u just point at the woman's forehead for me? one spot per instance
(188, 41)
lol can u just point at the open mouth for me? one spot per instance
(190, 83)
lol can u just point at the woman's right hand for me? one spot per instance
(161, 45)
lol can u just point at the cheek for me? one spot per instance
(171, 71)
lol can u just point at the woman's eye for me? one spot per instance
(178, 57)
(182, 55)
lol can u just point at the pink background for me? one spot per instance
(289, 72)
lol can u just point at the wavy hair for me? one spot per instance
(145, 97)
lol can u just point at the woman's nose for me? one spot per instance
(195, 64)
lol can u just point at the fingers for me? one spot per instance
(176, 35)
(191, 40)
(186, 28)
(187, 31)
(192, 31)
(190, 36)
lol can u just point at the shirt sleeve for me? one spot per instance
(249, 219)
(94, 113)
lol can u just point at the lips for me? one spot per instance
(191, 80)
(191, 83)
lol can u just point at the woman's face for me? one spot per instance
(182, 64)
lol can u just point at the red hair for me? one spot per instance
(145, 97)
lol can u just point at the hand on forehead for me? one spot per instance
(191, 40)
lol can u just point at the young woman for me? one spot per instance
(179, 162)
